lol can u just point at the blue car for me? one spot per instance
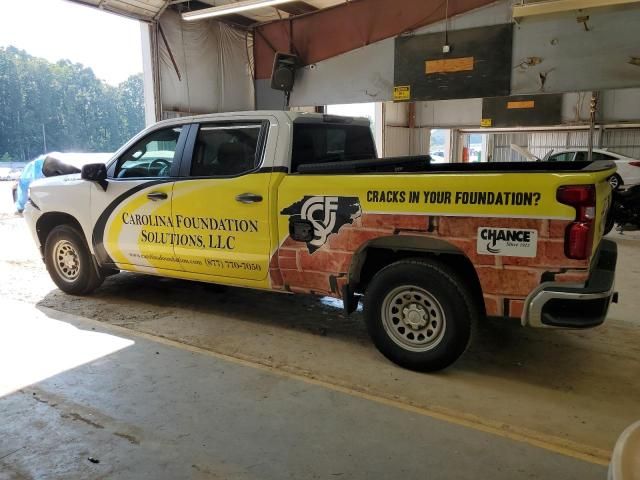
(50, 165)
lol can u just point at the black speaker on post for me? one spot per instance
(284, 71)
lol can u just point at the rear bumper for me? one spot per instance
(584, 306)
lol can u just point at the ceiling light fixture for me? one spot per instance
(235, 7)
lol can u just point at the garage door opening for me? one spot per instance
(439, 145)
(475, 147)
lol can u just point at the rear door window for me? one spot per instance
(319, 143)
(223, 150)
(584, 156)
(602, 156)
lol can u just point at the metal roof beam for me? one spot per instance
(558, 6)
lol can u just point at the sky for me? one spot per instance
(58, 29)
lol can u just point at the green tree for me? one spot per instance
(130, 107)
(10, 105)
(76, 111)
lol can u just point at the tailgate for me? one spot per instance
(603, 203)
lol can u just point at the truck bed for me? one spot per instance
(422, 164)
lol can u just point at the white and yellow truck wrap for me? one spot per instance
(299, 203)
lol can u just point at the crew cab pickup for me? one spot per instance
(300, 203)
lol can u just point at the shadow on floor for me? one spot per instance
(135, 297)
(559, 360)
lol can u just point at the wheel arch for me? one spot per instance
(376, 254)
(49, 220)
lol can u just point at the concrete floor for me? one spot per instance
(146, 409)
(519, 403)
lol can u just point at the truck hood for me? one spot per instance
(64, 193)
(57, 181)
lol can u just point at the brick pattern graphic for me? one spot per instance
(506, 281)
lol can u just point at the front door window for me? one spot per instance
(151, 157)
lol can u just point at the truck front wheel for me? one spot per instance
(69, 261)
(419, 314)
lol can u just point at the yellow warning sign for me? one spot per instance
(402, 92)
(486, 122)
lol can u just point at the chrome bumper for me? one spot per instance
(558, 305)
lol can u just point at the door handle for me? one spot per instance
(249, 198)
(157, 196)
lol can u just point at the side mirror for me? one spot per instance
(95, 172)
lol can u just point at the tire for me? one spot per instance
(420, 314)
(615, 181)
(609, 224)
(69, 262)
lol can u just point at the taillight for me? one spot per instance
(578, 240)
(635, 164)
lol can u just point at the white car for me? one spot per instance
(628, 168)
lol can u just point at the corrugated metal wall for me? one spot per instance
(502, 151)
(401, 140)
(397, 140)
(625, 141)
(541, 143)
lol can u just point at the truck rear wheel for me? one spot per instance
(419, 314)
(69, 261)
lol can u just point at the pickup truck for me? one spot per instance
(300, 203)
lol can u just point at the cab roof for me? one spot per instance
(285, 116)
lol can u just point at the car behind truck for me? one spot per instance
(299, 203)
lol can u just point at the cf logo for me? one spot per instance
(321, 212)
